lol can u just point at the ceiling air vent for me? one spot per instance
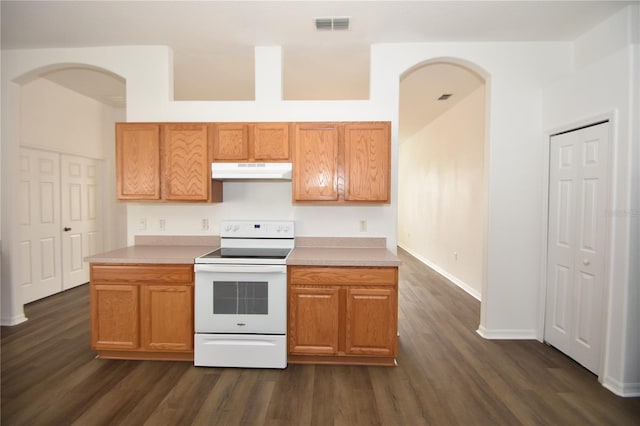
(332, 24)
(445, 96)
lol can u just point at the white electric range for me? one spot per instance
(241, 296)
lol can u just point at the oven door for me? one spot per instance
(240, 299)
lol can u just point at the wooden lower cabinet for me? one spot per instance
(142, 311)
(167, 317)
(115, 316)
(342, 315)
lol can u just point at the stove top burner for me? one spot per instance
(247, 253)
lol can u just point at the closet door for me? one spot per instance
(60, 222)
(80, 212)
(577, 243)
(39, 224)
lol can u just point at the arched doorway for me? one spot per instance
(442, 189)
(61, 128)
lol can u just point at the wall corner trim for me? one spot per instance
(626, 390)
(506, 334)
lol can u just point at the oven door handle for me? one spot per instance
(244, 269)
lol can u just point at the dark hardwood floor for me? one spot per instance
(446, 375)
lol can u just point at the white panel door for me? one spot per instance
(577, 243)
(39, 224)
(80, 214)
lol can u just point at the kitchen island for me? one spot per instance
(342, 300)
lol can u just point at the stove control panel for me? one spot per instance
(257, 229)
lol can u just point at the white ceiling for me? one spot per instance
(213, 41)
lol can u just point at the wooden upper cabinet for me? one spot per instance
(138, 161)
(165, 162)
(367, 162)
(230, 142)
(251, 142)
(186, 164)
(315, 171)
(342, 162)
(271, 142)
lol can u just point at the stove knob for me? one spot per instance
(236, 228)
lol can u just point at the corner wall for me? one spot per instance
(606, 83)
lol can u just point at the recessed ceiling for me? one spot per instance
(213, 41)
(420, 90)
(104, 87)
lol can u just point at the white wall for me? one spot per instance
(441, 193)
(516, 72)
(57, 119)
(606, 84)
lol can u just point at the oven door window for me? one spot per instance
(240, 298)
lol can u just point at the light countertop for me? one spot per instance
(311, 252)
(184, 254)
(341, 256)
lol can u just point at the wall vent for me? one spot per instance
(332, 24)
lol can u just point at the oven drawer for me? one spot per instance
(240, 350)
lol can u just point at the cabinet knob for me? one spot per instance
(586, 262)
(67, 229)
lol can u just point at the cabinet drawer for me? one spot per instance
(142, 273)
(342, 275)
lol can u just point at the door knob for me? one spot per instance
(586, 262)
(67, 229)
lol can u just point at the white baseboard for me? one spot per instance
(464, 286)
(627, 390)
(507, 334)
(15, 320)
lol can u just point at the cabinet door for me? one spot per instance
(187, 167)
(167, 317)
(315, 163)
(271, 142)
(138, 161)
(367, 162)
(313, 320)
(371, 321)
(114, 316)
(230, 142)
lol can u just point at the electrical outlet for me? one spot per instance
(455, 256)
(142, 224)
(205, 224)
(163, 224)
(363, 225)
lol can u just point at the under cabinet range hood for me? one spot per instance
(251, 171)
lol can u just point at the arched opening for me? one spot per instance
(442, 188)
(64, 147)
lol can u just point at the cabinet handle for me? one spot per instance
(67, 229)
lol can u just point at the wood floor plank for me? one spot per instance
(446, 375)
(296, 382)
